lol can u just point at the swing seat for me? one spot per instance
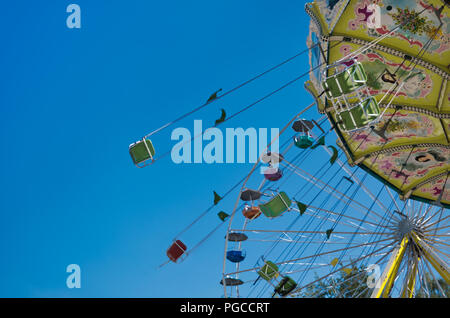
(275, 207)
(285, 286)
(273, 174)
(359, 116)
(302, 125)
(251, 212)
(176, 250)
(236, 256)
(303, 142)
(272, 157)
(268, 271)
(229, 281)
(237, 237)
(250, 195)
(345, 81)
(141, 152)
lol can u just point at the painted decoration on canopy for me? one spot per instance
(437, 189)
(397, 128)
(407, 75)
(412, 33)
(407, 167)
(384, 70)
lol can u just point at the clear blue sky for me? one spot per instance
(73, 100)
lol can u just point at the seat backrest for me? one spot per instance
(176, 250)
(251, 212)
(303, 142)
(141, 151)
(346, 81)
(268, 271)
(235, 256)
(285, 286)
(361, 115)
(275, 207)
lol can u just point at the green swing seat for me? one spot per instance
(359, 116)
(268, 271)
(140, 152)
(303, 142)
(285, 286)
(346, 81)
(275, 207)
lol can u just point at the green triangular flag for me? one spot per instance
(334, 156)
(328, 232)
(301, 207)
(222, 215)
(320, 142)
(222, 118)
(217, 198)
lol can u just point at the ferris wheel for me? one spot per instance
(334, 232)
(376, 223)
(371, 219)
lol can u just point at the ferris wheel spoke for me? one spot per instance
(395, 286)
(421, 218)
(334, 192)
(434, 279)
(333, 220)
(440, 251)
(335, 285)
(409, 284)
(378, 262)
(339, 269)
(437, 235)
(423, 278)
(392, 198)
(310, 232)
(418, 211)
(432, 242)
(345, 216)
(436, 222)
(436, 229)
(437, 241)
(304, 242)
(316, 255)
(314, 266)
(424, 222)
(315, 181)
